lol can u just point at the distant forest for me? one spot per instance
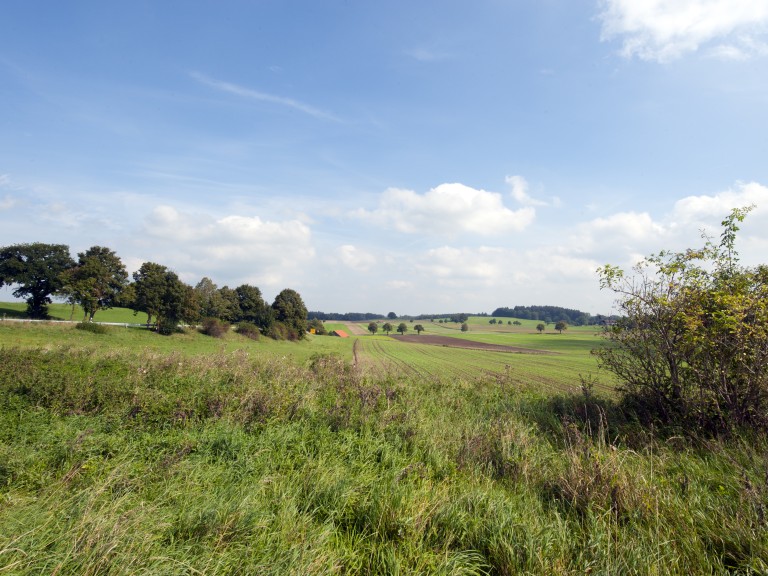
(347, 316)
(550, 314)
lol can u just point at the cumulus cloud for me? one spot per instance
(448, 209)
(698, 209)
(243, 247)
(663, 30)
(355, 258)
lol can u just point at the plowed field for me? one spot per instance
(468, 344)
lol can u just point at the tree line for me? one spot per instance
(97, 279)
(549, 314)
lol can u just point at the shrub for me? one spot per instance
(282, 331)
(92, 328)
(248, 329)
(214, 327)
(692, 346)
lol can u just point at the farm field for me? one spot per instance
(133, 453)
(567, 356)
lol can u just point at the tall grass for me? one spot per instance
(127, 463)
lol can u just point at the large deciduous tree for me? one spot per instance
(289, 309)
(253, 308)
(36, 271)
(96, 280)
(691, 347)
(160, 294)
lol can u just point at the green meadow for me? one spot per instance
(133, 453)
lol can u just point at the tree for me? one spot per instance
(419, 328)
(149, 283)
(290, 310)
(95, 281)
(560, 326)
(391, 316)
(230, 304)
(36, 269)
(691, 346)
(253, 308)
(387, 328)
(465, 327)
(540, 327)
(402, 328)
(373, 327)
(172, 299)
(212, 304)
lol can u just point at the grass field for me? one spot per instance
(134, 453)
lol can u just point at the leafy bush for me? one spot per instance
(248, 329)
(282, 331)
(214, 327)
(692, 346)
(92, 328)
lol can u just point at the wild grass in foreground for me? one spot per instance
(129, 463)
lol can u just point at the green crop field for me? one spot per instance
(570, 355)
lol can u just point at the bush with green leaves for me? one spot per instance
(92, 328)
(691, 348)
(248, 329)
(214, 327)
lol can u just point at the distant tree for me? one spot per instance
(171, 310)
(509, 322)
(402, 328)
(317, 325)
(190, 307)
(212, 304)
(95, 281)
(419, 328)
(492, 321)
(560, 326)
(373, 327)
(540, 327)
(387, 328)
(391, 316)
(231, 304)
(465, 327)
(253, 308)
(517, 323)
(289, 309)
(149, 286)
(36, 269)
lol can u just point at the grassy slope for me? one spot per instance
(203, 456)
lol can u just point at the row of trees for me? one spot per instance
(98, 279)
(402, 328)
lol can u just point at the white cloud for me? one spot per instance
(448, 209)
(698, 209)
(355, 258)
(244, 248)
(519, 191)
(664, 30)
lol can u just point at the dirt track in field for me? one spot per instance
(469, 344)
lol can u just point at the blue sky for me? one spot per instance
(414, 157)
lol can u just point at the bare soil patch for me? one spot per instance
(469, 344)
